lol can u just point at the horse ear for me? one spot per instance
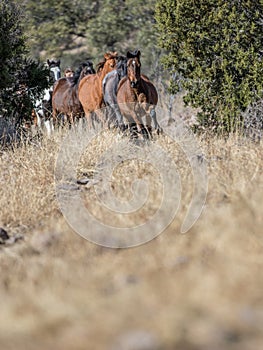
(58, 62)
(48, 62)
(107, 55)
(132, 54)
(121, 58)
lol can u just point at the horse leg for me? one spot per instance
(55, 119)
(102, 117)
(137, 116)
(148, 119)
(36, 120)
(152, 115)
(119, 118)
(71, 120)
(115, 117)
(148, 124)
(48, 126)
(110, 117)
(90, 120)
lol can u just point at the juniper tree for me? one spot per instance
(214, 51)
(21, 79)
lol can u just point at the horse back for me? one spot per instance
(62, 83)
(65, 97)
(110, 86)
(90, 92)
(149, 90)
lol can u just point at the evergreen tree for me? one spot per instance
(214, 52)
(12, 44)
(55, 26)
(21, 79)
(76, 29)
(126, 25)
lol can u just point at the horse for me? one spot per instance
(43, 107)
(109, 88)
(137, 96)
(65, 101)
(90, 87)
(54, 67)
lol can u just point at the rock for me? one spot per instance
(3, 236)
(13, 239)
(9, 240)
(83, 181)
(137, 340)
(44, 240)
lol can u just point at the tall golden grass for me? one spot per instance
(199, 290)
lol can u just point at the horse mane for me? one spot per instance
(53, 62)
(77, 74)
(100, 66)
(108, 55)
(120, 60)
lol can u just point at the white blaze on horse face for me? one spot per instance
(56, 71)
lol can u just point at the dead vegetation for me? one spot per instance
(199, 290)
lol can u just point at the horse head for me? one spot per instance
(54, 67)
(134, 71)
(109, 63)
(133, 54)
(88, 66)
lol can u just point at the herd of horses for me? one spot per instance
(117, 83)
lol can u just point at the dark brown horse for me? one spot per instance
(65, 101)
(137, 96)
(90, 87)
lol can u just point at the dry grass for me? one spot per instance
(200, 290)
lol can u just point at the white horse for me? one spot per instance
(43, 107)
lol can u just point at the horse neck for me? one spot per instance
(76, 84)
(102, 73)
(140, 86)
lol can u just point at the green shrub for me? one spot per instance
(214, 52)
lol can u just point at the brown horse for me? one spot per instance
(65, 101)
(90, 87)
(137, 96)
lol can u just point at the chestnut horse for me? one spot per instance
(65, 101)
(90, 87)
(137, 96)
